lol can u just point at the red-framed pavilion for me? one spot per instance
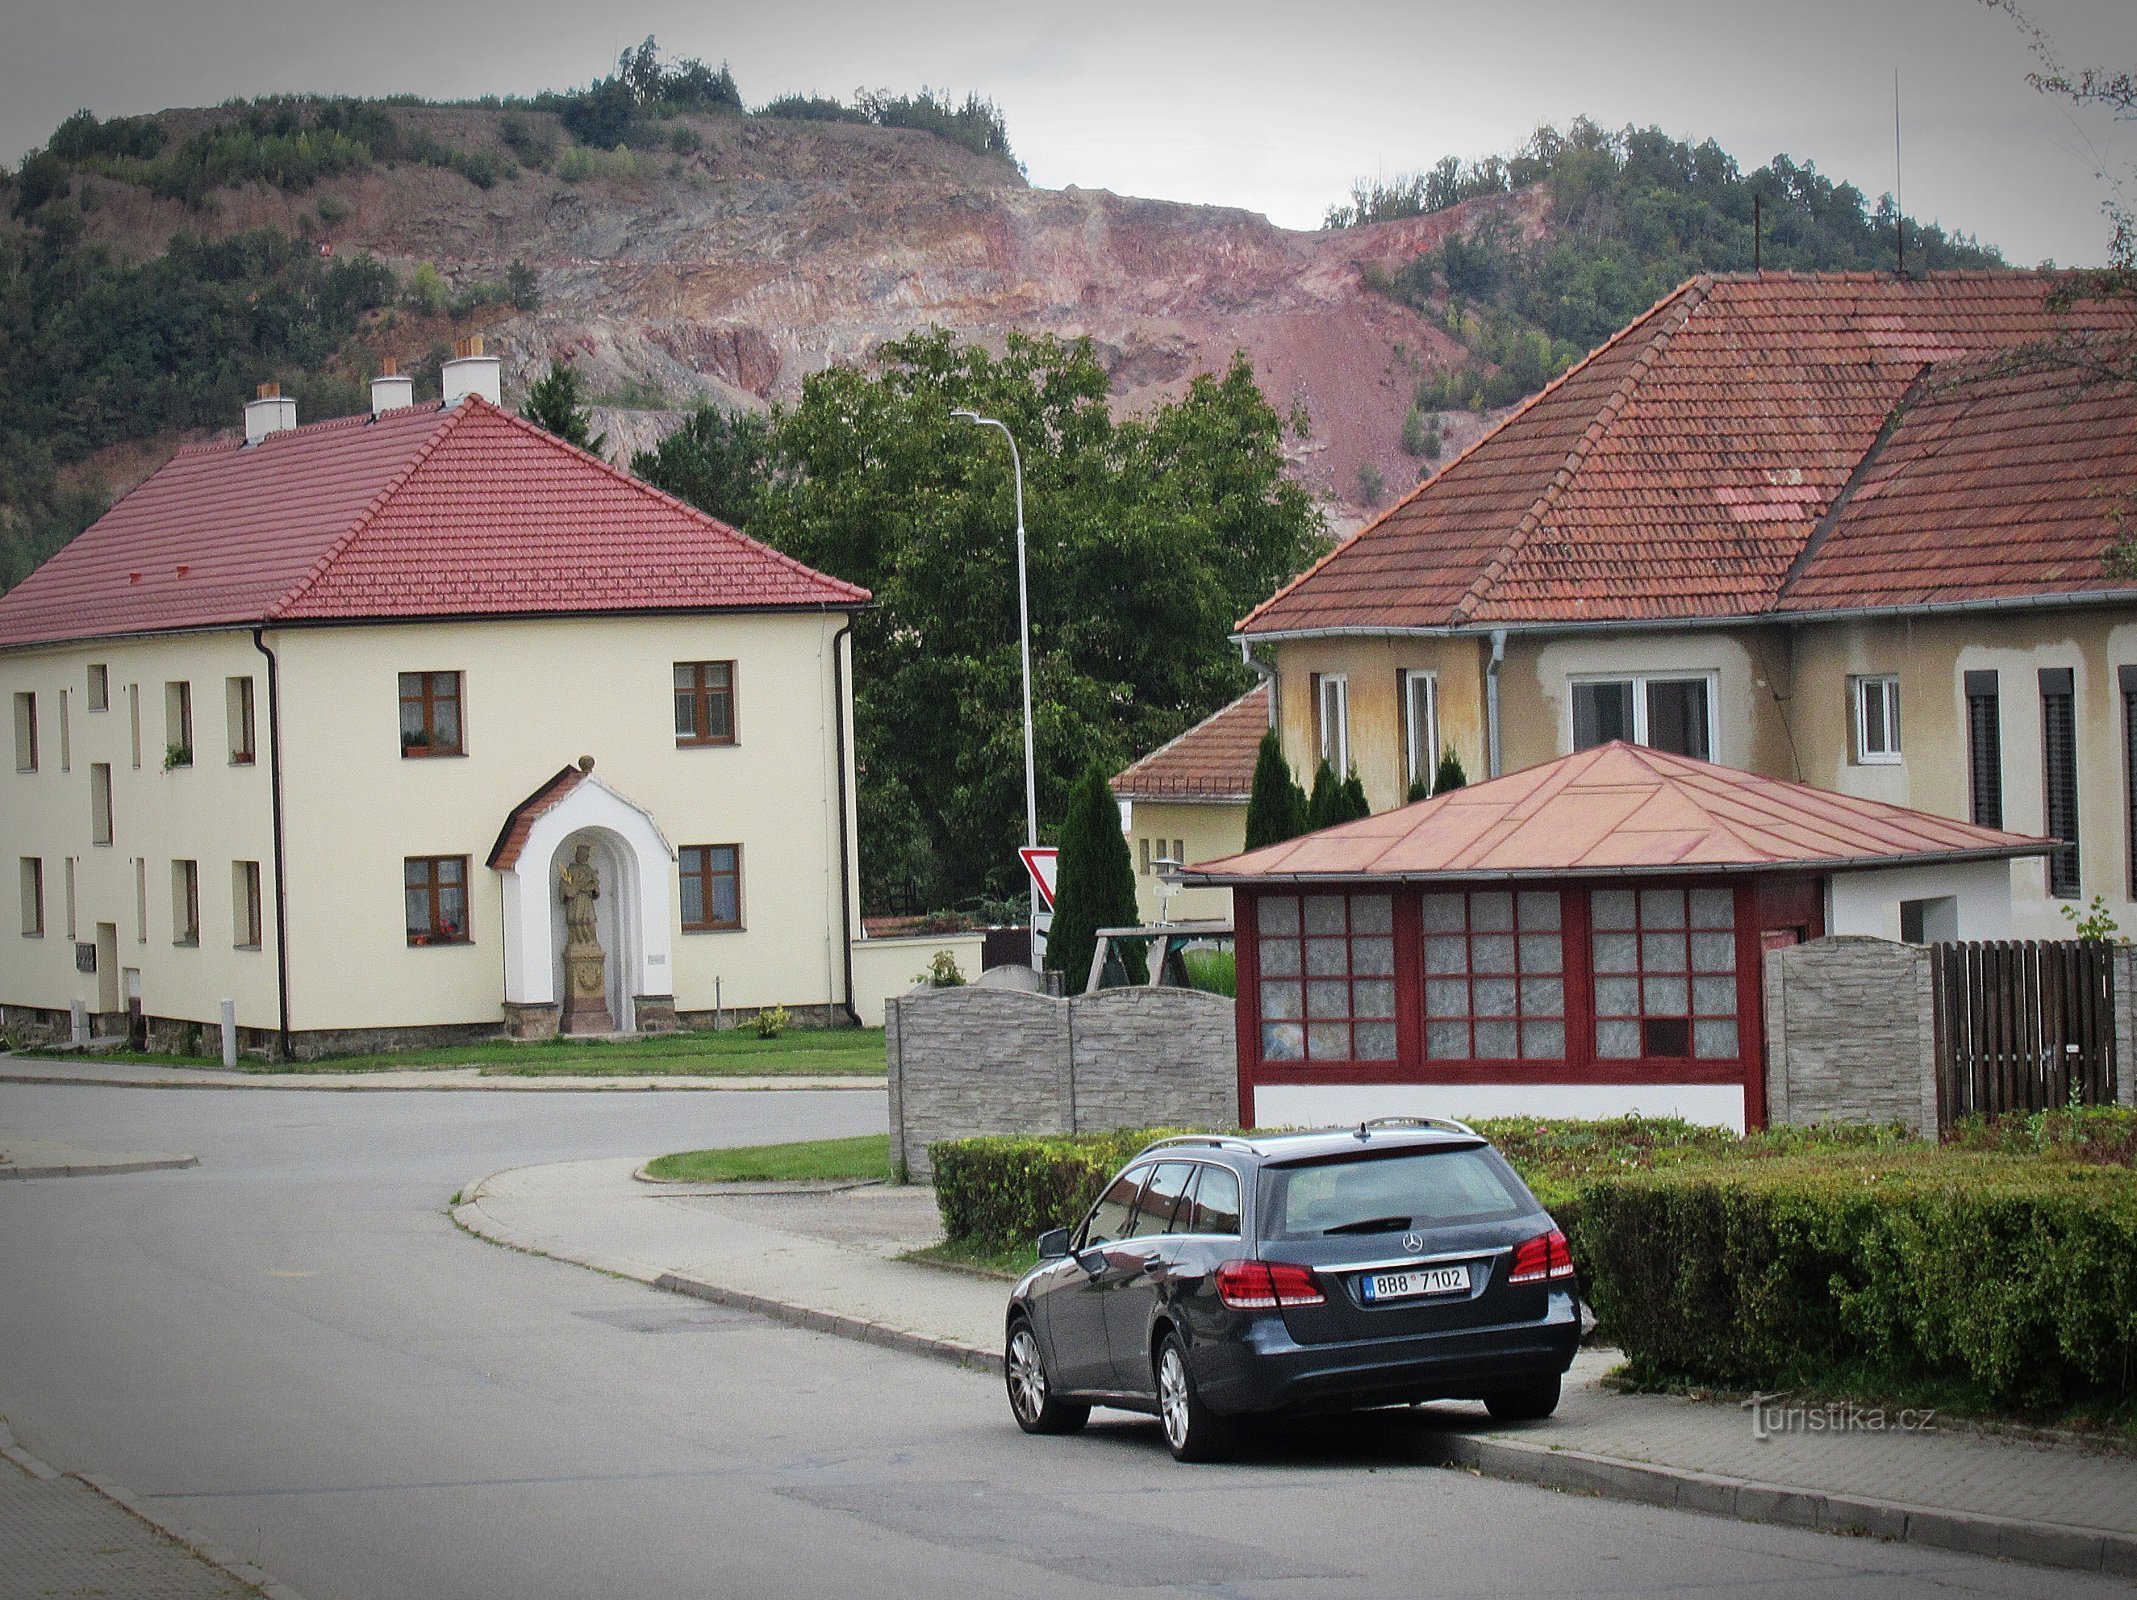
(1588, 934)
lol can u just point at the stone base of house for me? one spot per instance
(36, 1024)
(531, 1022)
(655, 1013)
(818, 1016)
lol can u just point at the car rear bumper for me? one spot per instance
(1269, 1371)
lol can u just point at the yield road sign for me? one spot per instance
(1039, 861)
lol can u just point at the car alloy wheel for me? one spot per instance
(1192, 1433)
(1031, 1396)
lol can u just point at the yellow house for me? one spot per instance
(312, 722)
(1839, 529)
(1187, 801)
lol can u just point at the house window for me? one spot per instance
(1327, 977)
(177, 725)
(1984, 750)
(437, 899)
(2128, 675)
(237, 706)
(1664, 713)
(100, 802)
(1877, 719)
(711, 877)
(66, 733)
(430, 714)
(1495, 976)
(141, 899)
(99, 687)
(25, 733)
(1331, 720)
(1144, 845)
(185, 902)
(245, 904)
(133, 720)
(2059, 777)
(1420, 730)
(70, 900)
(1665, 974)
(33, 897)
(704, 702)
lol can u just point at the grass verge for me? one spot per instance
(821, 1160)
(960, 1256)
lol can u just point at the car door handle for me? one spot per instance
(1152, 1264)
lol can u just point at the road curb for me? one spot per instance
(1748, 1500)
(515, 1086)
(245, 1572)
(861, 1329)
(100, 1169)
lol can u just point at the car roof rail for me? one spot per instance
(1221, 1141)
(1365, 1129)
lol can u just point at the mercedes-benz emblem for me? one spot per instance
(1413, 1242)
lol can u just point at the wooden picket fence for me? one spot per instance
(2019, 1023)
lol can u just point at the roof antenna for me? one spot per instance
(1899, 205)
(1758, 258)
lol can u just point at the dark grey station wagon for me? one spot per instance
(1218, 1278)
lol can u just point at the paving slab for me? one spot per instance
(29, 1158)
(827, 1259)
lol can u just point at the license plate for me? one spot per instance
(1375, 1287)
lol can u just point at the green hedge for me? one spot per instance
(1001, 1192)
(2015, 1275)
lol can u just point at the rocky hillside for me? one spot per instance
(773, 248)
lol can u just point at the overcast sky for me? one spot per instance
(1274, 107)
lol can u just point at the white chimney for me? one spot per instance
(269, 414)
(472, 372)
(389, 390)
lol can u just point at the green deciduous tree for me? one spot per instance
(557, 402)
(1276, 808)
(1148, 537)
(1095, 882)
(719, 461)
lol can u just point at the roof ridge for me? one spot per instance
(1856, 477)
(1693, 294)
(672, 501)
(450, 420)
(1260, 688)
(1519, 411)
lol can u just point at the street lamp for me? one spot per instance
(1031, 792)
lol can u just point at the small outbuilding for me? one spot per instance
(1582, 938)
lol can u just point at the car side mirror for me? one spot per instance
(1053, 1244)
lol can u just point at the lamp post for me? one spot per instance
(1031, 791)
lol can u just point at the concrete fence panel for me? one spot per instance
(1851, 1034)
(1145, 1058)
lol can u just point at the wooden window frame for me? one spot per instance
(247, 922)
(2059, 702)
(2126, 678)
(708, 878)
(242, 709)
(1641, 682)
(702, 695)
(185, 904)
(177, 724)
(1420, 746)
(99, 687)
(1888, 718)
(1301, 984)
(26, 730)
(1517, 972)
(433, 888)
(103, 808)
(1984, 749)
(1331, 735)
(1644, 1019)
(33, 897)
(427, 697)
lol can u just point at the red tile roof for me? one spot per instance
(1212, 761)
(425, 512)
(520, 821)
(1681, 469)
(1616, 809)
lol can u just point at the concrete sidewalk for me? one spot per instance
(829, 1261)
(116, 1072)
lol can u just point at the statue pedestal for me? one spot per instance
(586, 991)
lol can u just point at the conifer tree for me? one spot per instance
(1354, 804)
(557, 401)
(1276, 809)
(1419, 790)
(1450, 774)
(1325, 809)
(1095, 882)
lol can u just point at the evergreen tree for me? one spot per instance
(1450, 774)
(1325, 809)
(1095, 885)
(1355, 804)
(719, 461)
(557, 402)
(1276, 810)
(1419, 790)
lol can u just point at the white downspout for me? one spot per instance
(1491, 701)
(1265, 672)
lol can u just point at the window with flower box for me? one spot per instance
(435, 888)
(1495, 985)
(1665, 974)
(1327, 977)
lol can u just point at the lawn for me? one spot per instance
(823, 1160)
(735, 1053)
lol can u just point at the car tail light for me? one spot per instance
(1543, 1257)
(1264, 1285)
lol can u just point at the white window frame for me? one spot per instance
(1639, 682)
(1888, 722)
(1420, 761)
(1332, 691)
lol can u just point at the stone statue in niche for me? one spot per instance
(585, 963)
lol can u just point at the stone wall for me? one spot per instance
(2126, 1024)
(972, 1060)
(1851, 1034)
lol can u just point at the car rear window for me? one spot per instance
(1389, 1193)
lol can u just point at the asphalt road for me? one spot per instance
(291, 1351)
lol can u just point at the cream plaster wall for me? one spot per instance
(1330, 1105)
(537, 695)
(1869, 902)
(1376, 730)
(1208, 831)
(211, 812)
